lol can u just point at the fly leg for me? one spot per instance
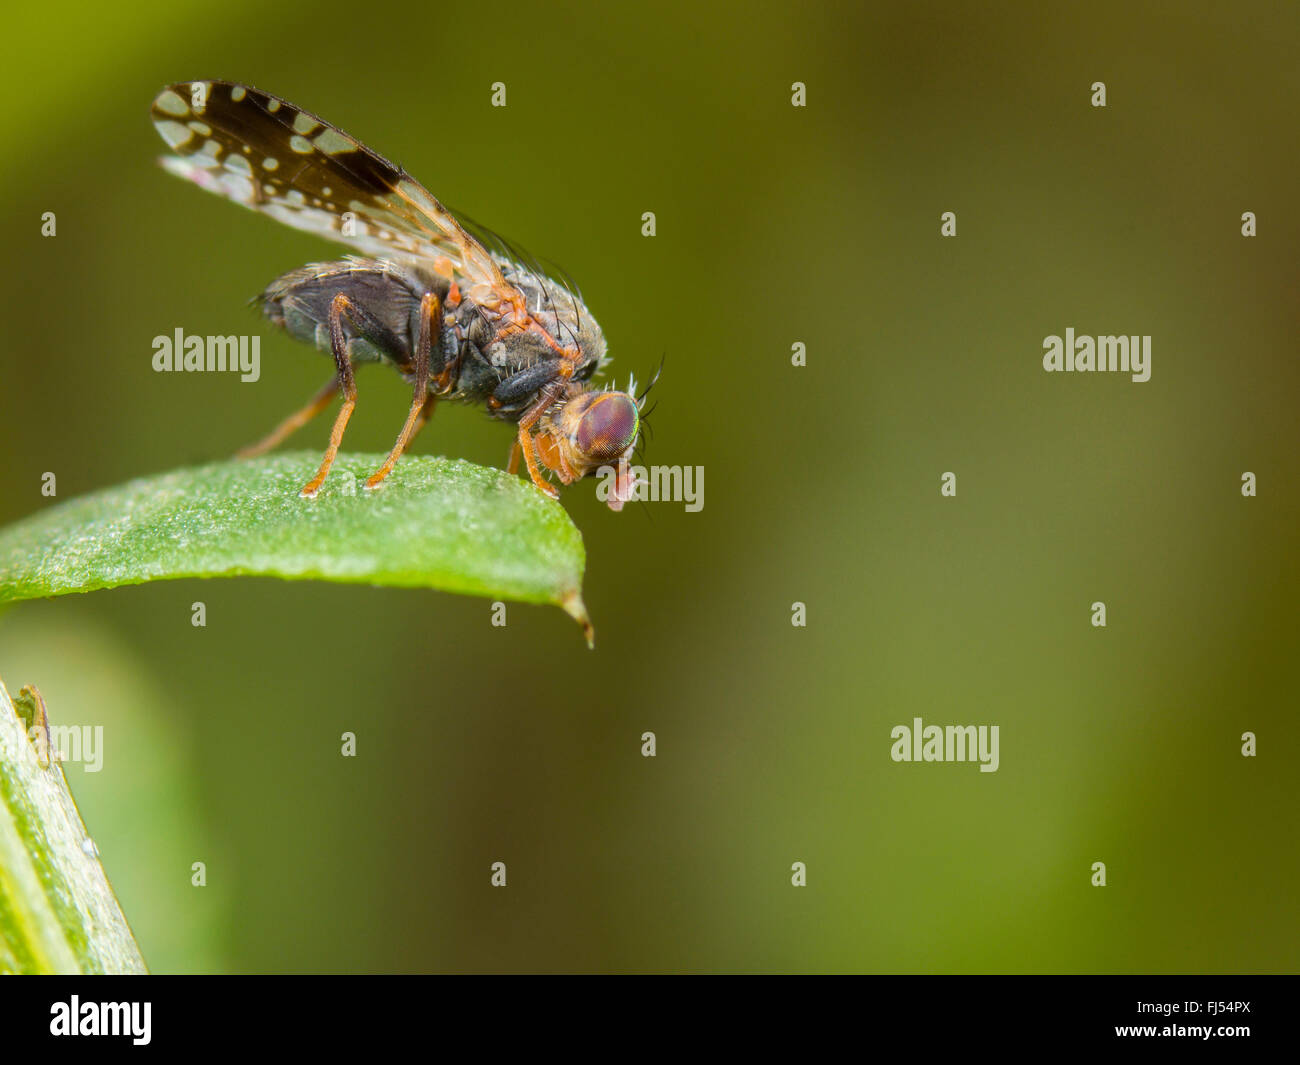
(294, 422)
(550, 455)
(524, 442)
(340, 306)
(422, 403)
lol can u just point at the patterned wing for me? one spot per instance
(262, 152)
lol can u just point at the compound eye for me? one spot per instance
(608, 428)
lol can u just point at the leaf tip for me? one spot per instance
(574, 606)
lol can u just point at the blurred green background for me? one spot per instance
(775, 225)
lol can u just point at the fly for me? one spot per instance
(424, 295)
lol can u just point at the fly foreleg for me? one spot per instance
(524, 442)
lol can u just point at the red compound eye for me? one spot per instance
(608, 427)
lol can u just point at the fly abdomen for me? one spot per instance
(389, 294)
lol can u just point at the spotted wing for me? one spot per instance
(262, 152)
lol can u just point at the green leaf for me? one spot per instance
(57, 910)
(434, 523)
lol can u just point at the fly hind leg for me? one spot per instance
(339, 306)
(294, 422)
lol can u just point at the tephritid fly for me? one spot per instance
(426, 295)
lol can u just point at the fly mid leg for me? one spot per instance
(422, 403)
(366, 325)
